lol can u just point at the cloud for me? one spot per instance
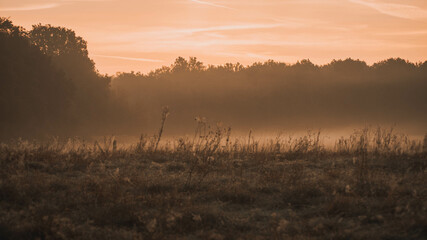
(257, 56)
(176, 34)
(128, 58)
(173, 32)
(394, 9)
(42, 6)
(403, 33)
(31, 7)
(87, 0)
(210, 4)
(231, 27)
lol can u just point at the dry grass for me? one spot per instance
(372, 185)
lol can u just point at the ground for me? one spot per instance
(214, 188)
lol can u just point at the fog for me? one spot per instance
(273, 96)
(50, 87)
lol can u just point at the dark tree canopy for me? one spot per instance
(49, 85)
(34, 94)
(57, 40)
(69, 52)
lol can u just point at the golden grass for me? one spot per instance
(371, 185)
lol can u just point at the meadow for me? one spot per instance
(369, 185)
(211, 184)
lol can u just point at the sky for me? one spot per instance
(141, 35)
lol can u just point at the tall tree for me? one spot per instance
(34, 94)
(69, 52)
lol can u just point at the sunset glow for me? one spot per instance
(213, 119)
(143, 35)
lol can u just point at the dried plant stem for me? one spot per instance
(165, 114)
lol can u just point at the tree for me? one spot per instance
(180, 65)
(68, 50)
(58, 40)
(70, 54)
(195, 65)
(347, 66)
(7, 27)
(34, 94)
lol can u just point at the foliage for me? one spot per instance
(34, 93)
(69, 53)
(274, 95)
(49, 85)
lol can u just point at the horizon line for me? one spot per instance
(416, 63)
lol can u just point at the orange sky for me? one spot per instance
(141, 35)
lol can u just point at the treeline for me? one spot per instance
(273, 95)
(49, 86)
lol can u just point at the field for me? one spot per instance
(370, 185)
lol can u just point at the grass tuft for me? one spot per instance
(369, 185)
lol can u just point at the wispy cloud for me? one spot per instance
(403, 33)
(210, 4)
(87, 0)
(394, 9)
(31, 7)
(176, 34)
(251, 55)
(231, 27)
(128, 58)
(43, 6)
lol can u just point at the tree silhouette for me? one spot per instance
(58, 40)
(69, 53)
(180, 65)
(34, 94)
